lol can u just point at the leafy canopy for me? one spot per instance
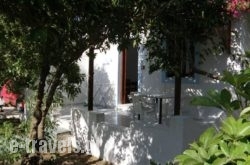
(170, 25)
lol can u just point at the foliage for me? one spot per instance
(172, 29)
(16, 131)
(42, 39)
(56, 34)
(166, 26)
(27, 48)
(48, 39)
(240, 82)
(222, 100)
(10, 132)
(50, 128)
(12, 47)
(229, 146)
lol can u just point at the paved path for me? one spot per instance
(117, 117)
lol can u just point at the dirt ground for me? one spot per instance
(68, 158)
(79, 159)
(76, 158)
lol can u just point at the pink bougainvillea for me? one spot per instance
(237, 6)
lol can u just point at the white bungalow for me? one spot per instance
(119, 73)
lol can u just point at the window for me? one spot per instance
(188, 61)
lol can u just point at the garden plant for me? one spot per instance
(230, 144)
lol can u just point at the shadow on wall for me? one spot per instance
(139, 143)
(117, 144)
(81, 98)
(247, 32)
(104, 94)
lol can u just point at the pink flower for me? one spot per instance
(236, 6)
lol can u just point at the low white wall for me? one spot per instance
(137, 144)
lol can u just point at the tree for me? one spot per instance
(45, 40)
(12, 67)
(173, 28)
(52, 35)
(49, 49)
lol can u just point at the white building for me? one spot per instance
(118, 73)
(138, 142)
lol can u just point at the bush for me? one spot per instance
(228, 146)
(10, 132)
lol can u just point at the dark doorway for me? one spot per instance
(129, 73)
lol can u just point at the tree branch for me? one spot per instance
(207, 74)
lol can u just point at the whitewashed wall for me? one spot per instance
(141, 142)
(241, 37)
(105, 78)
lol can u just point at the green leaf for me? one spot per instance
(240, 162)
(184, 159)
(247, 160)
(203, 101)
(224, 148)
(246, 88)
(239, 150)
(244, 129)
(229, 126)
(193, 155)
(225, 96)
(235, 104)
(206, 137)
(203, 153)
(246, 71)
(229, 78)
(220, 161)
(191, 162)
(243, 78)
(194, 146)
(213, 148)
(245, 111)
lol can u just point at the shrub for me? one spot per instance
(228, 146)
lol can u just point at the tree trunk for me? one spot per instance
(91, 56)
(35, 120)
(41, 126)
(177, 91)
(179, 49)
(37, 113)
(48, 102)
